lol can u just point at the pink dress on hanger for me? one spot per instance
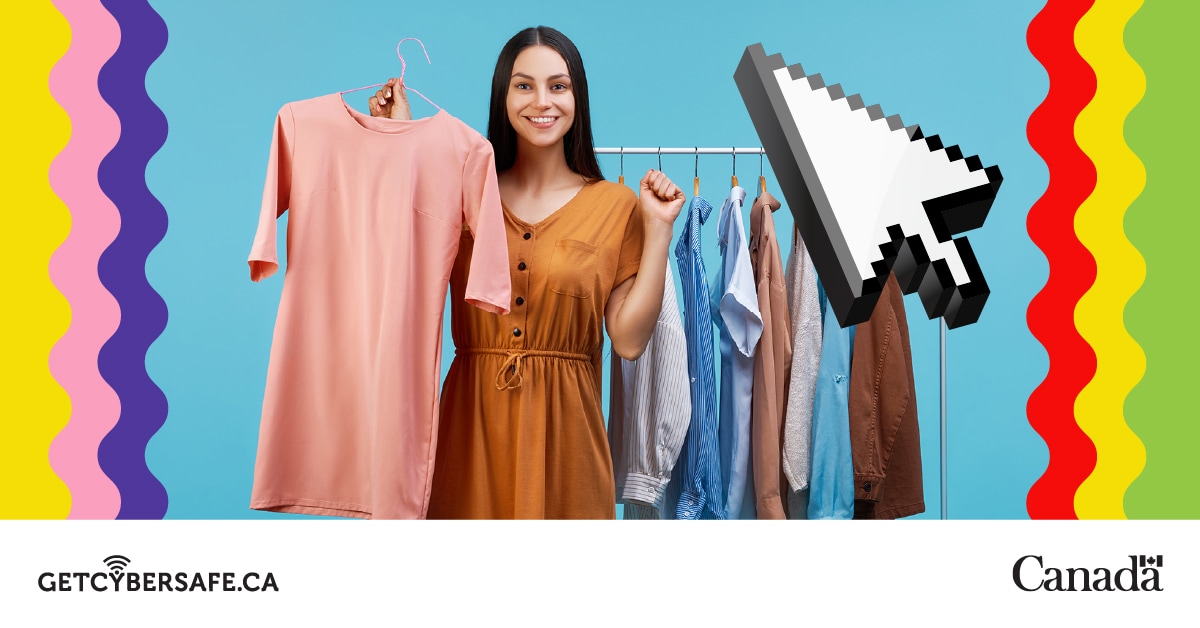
(376, 209)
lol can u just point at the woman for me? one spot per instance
(522, 432)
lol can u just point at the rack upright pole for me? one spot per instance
(942, 362)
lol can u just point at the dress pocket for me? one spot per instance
(573, 268)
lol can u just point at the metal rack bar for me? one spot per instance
(680, 151)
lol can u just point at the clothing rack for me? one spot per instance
(734, 150)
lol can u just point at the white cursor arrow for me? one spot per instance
(870, 196)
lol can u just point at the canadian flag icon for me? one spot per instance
(871, 196)
(1151, 561)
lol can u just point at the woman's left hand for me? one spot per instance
(660, 198)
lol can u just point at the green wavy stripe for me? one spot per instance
(1164, 224)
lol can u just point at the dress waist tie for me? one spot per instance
(513, 361)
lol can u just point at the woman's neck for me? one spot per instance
(541, 168)
(539, 183)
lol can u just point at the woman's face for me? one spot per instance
(541, 101)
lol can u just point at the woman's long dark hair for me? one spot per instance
(578, 147)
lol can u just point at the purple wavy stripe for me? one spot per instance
(94, 223)
(123, 265)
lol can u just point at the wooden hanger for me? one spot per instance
(621, 176)
(762, 181)
(734, 153)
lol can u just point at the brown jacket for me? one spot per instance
(885, 442)
(772, 363)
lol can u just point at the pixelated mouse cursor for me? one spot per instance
(870, 195)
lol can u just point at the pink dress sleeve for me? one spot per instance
(276, 197)
(488, 283)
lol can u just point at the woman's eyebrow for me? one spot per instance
(549, 78)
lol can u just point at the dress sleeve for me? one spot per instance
(276, 196)
(629, 260)
(488, 283)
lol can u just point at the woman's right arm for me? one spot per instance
(383, 105)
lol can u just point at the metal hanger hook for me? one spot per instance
(403, 65)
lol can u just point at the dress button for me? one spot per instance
(520, 300)
(521, 266)
(867, 487)
(517, 332)
(528, 235)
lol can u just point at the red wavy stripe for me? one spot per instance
(1051, 407)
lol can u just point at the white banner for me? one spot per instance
(597, 573)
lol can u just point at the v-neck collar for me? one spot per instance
(552, 216)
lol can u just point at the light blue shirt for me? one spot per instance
(696, 488)
(832, 482)
(735, 312)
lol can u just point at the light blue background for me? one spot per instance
(660, 74)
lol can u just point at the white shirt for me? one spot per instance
(735, 311)
(651, 408)
(805, 309)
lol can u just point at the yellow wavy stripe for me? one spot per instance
(34, 222)
(1120, 269)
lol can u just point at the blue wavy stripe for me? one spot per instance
(122, 267)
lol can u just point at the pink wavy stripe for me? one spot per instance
(95, 222)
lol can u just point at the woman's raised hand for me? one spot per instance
(660, 198)
(391, 101)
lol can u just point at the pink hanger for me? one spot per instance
(403, 67)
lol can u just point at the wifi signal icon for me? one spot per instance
(116, 563)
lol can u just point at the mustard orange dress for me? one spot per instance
(522, 432)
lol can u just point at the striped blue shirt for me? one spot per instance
(698, 482)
